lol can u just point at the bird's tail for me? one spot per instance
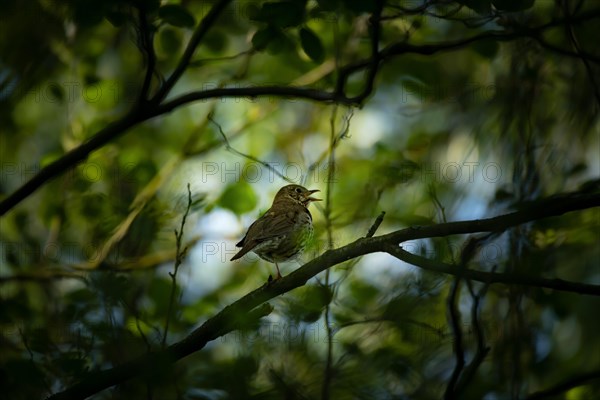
(241, 253)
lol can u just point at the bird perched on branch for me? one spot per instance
(284, 230)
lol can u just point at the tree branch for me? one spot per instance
(197, 37)
(565, 385)
(493, 277)
(528, 211)
(180, 254)
(42, 277)
(72, 158)
(221, 324)
(143, 112)
(401, 48)
(481, 350)
(147, 44)
(230, 148)
(454, 317)
(239, 313)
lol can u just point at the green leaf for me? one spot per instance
(261, 38)
(176, 15)
(416, 89)
(239, 198)
(399, 308)
(160, 293)
(280, 43)
(512, 5)
(283, 14)
(271, 39)
(310, 302)
(94, 204)
(311, 44)
(363, 292)
(216, 41)
(57, 92)
(170, 41)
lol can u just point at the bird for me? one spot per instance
(282, 232)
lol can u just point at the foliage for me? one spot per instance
(462, 110)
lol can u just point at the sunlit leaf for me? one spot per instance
(239, 198)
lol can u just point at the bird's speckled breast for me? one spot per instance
(289, 246)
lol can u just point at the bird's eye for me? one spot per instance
(298, 190)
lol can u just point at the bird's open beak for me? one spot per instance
(312, 198)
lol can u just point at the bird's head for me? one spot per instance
(296, 193)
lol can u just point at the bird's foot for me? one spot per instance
(272, 280)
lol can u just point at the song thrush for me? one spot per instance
(284, 230)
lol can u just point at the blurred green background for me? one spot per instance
(461, 134)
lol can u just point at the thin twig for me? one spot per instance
(253, 306)
(566, 385)
(459, 352)
(511, 279)
(330, 178)
(375, 225)
(338, 96)
(42, 276)
(438, 331)
(579, 51)
(481, 350)
(228, 147)
(146, 33)
(327, 374)
(344, 134)
(199, 34)
(179, 257)
(203, 61)
(454, 314)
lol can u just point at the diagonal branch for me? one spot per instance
(180, 254)
(72, 158)
(482, 349)
(528, 212)
(580, 52)
(230, 148)
(566, 385)
(144, 112)
(221, 324)
(454, 317)
(401, 48)
(244, 310)
(207, 22)
(493, 277)
(147, 46)
(372, 64)
(141, 114)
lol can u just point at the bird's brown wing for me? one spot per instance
(270, 225)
